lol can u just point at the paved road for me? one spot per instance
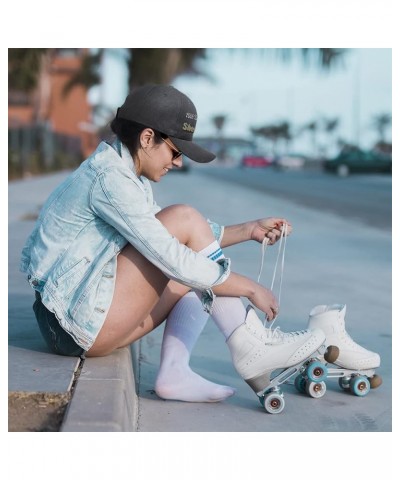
(329, 259)
(361, 198)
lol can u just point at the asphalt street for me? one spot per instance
(362, 198)
(333, 256)
(330, 258)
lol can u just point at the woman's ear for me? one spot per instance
(146, 137)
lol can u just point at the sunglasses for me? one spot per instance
(175, 153)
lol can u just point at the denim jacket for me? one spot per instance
(70, 258)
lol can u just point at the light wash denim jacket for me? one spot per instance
(71, 255)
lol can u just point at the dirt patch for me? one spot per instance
(36, 412)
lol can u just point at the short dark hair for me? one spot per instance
(128, 133)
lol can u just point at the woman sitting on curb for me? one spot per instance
(108, 265)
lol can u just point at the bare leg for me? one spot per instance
(141, 300)
(171, 295)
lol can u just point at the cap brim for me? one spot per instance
(193, 151)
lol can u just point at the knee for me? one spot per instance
(183, 215)
(185, 223)
(182, 211)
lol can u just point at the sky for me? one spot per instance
(254, 90)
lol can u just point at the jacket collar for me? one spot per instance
(123, 152)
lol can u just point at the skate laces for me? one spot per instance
(275, 333)
(280, 256)
(284, 336)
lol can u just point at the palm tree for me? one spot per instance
(284, 133)
(380, 123)
(322, 58)
(24, 66)
(157, 65)
(88, 75)
(28, 77)
(330, 126)
(326, 58)
(219, 122)
(274, 133)
(162, 65)
(312, 128)
(266, 132)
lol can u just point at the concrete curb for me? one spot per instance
(105, 396)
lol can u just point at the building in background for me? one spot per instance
(52, 119)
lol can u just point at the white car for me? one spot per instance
(290, 161)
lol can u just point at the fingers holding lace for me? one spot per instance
(270, 228)
(264, 300)
(269, 317)
(273, 235)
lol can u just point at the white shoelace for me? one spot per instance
(277, 332)
(280, 255)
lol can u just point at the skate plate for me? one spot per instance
(357, 382)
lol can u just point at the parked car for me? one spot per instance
(291, 161)
(359, 161)
(256, 161)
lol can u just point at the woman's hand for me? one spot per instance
(264, 299)
(270, 228)
(237, 285)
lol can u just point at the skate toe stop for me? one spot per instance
(331, 354)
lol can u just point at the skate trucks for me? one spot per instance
(311, 374)
(357, 382)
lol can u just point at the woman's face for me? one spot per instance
(155, 160)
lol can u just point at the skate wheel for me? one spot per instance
(331, 354)
(300, 384)
(274, 403)
(316, 389)
(316, 371)
(359, 385)
(344, 382)
(375, 381)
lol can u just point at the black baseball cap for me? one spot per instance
(169, 111)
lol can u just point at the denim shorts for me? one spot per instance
(56, 338)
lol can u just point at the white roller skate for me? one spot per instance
(355, 365)
(257, 352)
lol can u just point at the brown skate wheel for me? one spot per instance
(331, 354)
(375, 381)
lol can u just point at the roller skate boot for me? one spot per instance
(355, 365)
(257, 352)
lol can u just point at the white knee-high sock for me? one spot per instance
(228, 313)
(175, 379)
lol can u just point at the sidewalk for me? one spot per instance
(104, 392)
(323, 265)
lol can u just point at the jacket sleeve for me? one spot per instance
(120, 201)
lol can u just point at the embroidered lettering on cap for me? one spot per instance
(192, 116)
(187, 127)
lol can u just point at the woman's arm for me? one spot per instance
(237, 285)
(254, 230)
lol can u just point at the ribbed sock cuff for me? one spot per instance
(213, 251)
